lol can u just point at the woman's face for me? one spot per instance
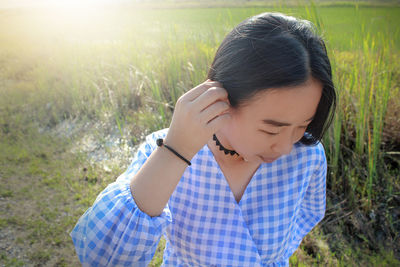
(268, 126)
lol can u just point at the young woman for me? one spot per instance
(239, 177)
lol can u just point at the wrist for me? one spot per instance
(185, 151)
(160, 143)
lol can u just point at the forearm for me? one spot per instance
(154, 183)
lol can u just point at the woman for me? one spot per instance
(239, 177)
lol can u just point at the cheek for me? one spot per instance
(254, 142)
(232, 131)
(237, 126)
(237, 132)
(244, 135)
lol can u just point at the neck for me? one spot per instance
(222, 148)
(220, 156)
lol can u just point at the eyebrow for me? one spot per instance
(279, 123)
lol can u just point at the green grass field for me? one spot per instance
(80, 88)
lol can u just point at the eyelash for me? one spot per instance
(303, 127)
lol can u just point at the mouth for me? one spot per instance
(268, 160)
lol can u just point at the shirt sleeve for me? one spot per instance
(312, 208)
(114, 231)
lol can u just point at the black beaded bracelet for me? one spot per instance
(160, 142)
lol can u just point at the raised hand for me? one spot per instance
(198, 114)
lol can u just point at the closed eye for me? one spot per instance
(269, 133)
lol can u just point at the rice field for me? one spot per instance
(71, 75)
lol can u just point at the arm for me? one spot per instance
(312, 208)
(117, 230)
(114, 231)
(198, 114)
(162, 163)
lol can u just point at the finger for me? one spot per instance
(214, 110)
(209, 97)
(218, 122)
(216, 83)
(200, 89)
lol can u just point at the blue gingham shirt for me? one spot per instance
(202, 223)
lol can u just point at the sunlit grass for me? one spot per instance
(128, 66)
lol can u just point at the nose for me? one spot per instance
(283, 145)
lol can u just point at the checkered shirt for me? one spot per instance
(202, 223)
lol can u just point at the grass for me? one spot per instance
(52, 188)
(119, 72)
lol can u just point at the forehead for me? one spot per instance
(292, 104)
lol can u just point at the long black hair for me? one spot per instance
(273, 50)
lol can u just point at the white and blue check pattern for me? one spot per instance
(202, 223)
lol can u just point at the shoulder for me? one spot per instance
(149, 143)
(311, 153)
(152, 138)
(144, 149)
